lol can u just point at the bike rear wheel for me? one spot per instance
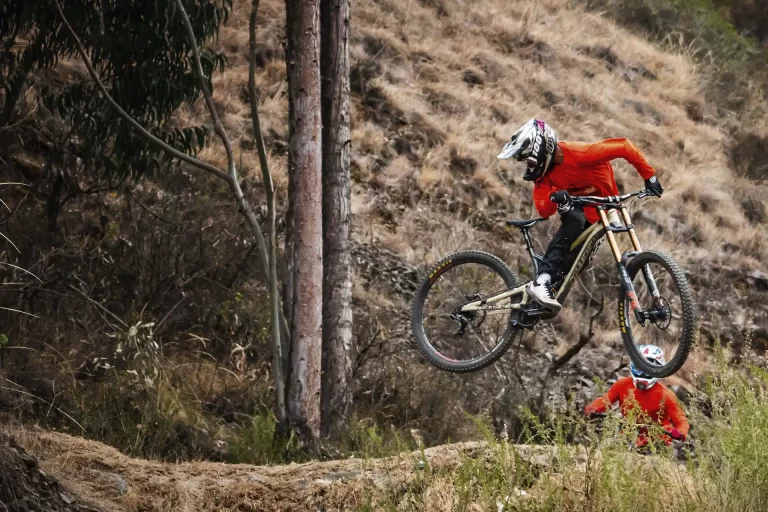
(452, 340)
(673, 323)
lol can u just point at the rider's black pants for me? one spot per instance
(559, 257)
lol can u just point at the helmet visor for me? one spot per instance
(637, 373)
(512, 149)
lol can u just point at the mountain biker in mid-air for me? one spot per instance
(561, 169)
(647, 400)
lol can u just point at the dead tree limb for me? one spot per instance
(570, 353)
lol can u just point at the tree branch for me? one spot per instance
(217, 126)
(274, 305)
(231, 176)
(232, 179)
(126, 116)
(99, 305)
(571, 352)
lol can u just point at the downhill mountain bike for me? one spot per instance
(470, 305)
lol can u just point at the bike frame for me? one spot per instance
(619, 222)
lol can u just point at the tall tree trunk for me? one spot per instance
(289, 269)
(337, 261)
(305, 158)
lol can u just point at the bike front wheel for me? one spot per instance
(670, 321)
(458, 341)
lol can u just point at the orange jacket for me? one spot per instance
(586, 171)
(657, 405)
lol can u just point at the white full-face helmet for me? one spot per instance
(652, 354)
(535, 142)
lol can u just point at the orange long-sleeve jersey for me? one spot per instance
(586, 171)
(657, 404)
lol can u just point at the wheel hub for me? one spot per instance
(662, 315)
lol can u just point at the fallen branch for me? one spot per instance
(570, 353)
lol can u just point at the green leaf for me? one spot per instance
(4, 340)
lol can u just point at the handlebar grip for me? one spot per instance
(560, 197)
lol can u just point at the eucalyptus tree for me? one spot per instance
(144, 59)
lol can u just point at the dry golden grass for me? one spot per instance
(438, 86)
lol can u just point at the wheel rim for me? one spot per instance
(463, 337)
(665, 327)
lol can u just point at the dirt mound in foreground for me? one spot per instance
(104, 477)
(25, 487)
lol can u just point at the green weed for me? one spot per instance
(260, 443)
(723, 469)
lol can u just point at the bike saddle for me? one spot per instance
(526, 223)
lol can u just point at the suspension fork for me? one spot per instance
(626, 281)
(649, 279)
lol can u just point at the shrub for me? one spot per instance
(260, 443)
(701, 23)
(725, 471)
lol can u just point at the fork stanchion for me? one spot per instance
(610, 236)
(632, 234)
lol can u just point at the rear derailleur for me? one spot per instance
(467, 318)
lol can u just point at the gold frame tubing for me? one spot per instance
(628, 223)
(609, 235)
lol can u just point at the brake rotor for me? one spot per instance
(664, 308)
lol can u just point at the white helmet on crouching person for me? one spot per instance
(652, 354)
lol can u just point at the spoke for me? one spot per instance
(452, 284)
(483, 331)
(460, 282)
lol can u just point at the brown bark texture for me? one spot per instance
(304, 160)
(337, 261)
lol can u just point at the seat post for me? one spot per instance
(529, 245)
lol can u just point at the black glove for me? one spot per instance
(563, 200)
(675, 434)
(653, 185)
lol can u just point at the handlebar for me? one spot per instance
(607, 200)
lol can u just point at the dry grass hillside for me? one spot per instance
(438, 86)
